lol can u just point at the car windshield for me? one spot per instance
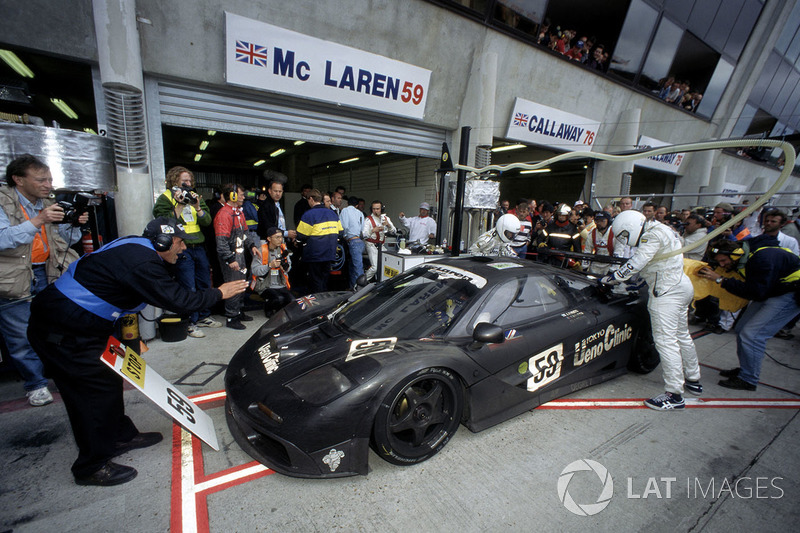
(420, 303)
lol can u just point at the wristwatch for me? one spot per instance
(718, 281)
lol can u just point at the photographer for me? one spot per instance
(182, 203)
(270, 272)
(34, 249)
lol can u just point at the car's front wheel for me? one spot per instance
(418, 417)
(644, 358)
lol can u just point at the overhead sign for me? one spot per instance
(666, 162)
(538, 124)
(134, 369)
(268, 57)
(732, 192)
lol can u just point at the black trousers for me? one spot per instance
(92, 393)
(275, 299)
(318, 274)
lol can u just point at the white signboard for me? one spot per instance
(268, 57)
(538, 124)
(732, 192)
(666, 162)
(134, 369)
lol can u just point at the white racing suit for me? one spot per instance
(671, 293)
(489, 243)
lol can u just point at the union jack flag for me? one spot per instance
(520, 119)
(306, 301)
(252, 54)
(511, 334)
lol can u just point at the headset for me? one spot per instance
(232, 197)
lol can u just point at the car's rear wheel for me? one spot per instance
(644, 358)
(418, 417)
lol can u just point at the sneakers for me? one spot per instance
(111, 474)
(208, 322)
(665, 402)
(39, 397)
(194, 331)
(730, 373)
(693, 386)
(784, 334)
(235, 323)
(736, 383)
(244, 318)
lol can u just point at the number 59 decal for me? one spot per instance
(545, 367)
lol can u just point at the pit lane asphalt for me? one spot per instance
(503, 479)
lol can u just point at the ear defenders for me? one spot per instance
(232, 196)
(162, 242)
(735, 254)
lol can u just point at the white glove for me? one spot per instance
(609, 280)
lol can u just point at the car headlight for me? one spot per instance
(320, 386)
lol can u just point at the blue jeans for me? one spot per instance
(759, 323)
(194, 274)
(14, 316)
(356, 260)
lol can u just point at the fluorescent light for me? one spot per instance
(349, 160)
(203, 145)
(381, 152)
(211, 133)
(277, 152)
(259, 163)
(508, 147)
(90, 130)
(537, 171)
(298, 143)
(13, 61)
(64, 108)
(197, 157)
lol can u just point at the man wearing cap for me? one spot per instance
(421, 228)
(34, 249)
(72, 319)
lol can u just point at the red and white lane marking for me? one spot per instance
(717, 403)
(191, 486)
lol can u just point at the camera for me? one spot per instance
(76, 206)
(184, 195)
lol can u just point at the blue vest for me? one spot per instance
(83, 297)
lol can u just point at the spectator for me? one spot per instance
(421, 228)
(661, 214)
(665, 86)
(302, 204)
(625, 203)
(361, 205)
(774, 219)
(319, 229)
(326, 200)
(271, 273)
(336, 201)
(523, 238)
(271, 215)
(376, 226)
(602, 242)
(232, 238)
(352, 223)
(35, 249)
(250, 211)
(587, 214)
(649, 211)
(694, 230)
(180, 202)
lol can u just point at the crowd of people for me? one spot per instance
(679, 93)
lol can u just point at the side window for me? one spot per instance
(520, 299)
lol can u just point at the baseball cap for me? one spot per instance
(728, 208)
(272, 231)
(164, 225)
(425, 205)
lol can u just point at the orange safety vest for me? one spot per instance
(265, 254)
(40, 251)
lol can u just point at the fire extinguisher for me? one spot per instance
(86, 241)
(130, 332)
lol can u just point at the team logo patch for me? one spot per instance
(307, 301)
(360, 348)
(333, 459)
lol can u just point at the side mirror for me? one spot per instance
(486, 333)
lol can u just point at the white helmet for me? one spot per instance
(507, 227)
(628, 227)
(563, 209)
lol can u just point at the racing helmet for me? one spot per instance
(563, 209)
(628, 227)
(507, 227)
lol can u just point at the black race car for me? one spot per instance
(400, 364)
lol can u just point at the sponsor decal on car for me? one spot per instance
(572, 314)
(269, 358)
(512, 334)
(600, 342)
(360, 348)
(545, 367)
(333, 459)
(449, 272)
(503, 266)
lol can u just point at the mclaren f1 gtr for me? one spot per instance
(399, 365)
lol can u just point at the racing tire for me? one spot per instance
(418, 417)
(644, 357)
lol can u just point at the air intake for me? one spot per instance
(126, 126)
